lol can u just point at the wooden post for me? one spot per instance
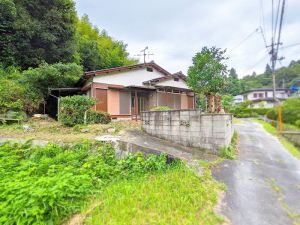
(166, 97)
(194, 100)
(136, 106)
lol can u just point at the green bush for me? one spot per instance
(161, 108)
(231, 110)
(272, 114)
(72, 109)
(246, 115)
(297, 123)
(45, 185)
(259, 111)
(95, 117)
(239, 115)
(254, 115)
(237, 110)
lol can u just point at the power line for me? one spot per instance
(264, 56)
(242, 41)
(291, 45)
(276, 18)
(280, 27)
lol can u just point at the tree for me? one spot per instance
(59, 75)
(38, 30)
(227, 101)
(254, 74)
(268, 71)
(97, 50)
(208, 73)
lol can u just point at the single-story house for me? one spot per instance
(126, 91)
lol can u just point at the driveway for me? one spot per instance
(250, 199)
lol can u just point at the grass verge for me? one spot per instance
(176, 196)
(229, 152)
(272, 130)
(237, 121)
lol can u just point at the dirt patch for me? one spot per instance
(50, 130)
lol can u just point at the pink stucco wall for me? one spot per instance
(113, 102)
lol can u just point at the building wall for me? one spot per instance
(184, 101)
(190, 128)
(171, 83)
(113, 102)
(128, 77)
(279, 94)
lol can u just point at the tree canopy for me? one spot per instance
(208, 73)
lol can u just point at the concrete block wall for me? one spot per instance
(190, 128)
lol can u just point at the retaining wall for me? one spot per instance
(190, 128)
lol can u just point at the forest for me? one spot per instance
(43, 44)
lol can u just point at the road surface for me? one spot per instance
(250, 199)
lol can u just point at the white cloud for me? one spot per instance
(176, 30)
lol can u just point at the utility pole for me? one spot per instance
(273, 70)
(144, 54)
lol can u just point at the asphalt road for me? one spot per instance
(250, 199)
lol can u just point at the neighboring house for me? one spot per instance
(238, 99)
(265, 95)
(125, 92)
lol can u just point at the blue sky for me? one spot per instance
(176, 30)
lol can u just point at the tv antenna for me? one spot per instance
(144, 54)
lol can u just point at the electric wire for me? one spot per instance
(240, 43)
(261, 59)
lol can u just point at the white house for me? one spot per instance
(265, 95)
(238, 99)
(125, 92)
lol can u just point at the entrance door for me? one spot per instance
(101, 95)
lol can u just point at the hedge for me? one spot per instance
(95, 117)
(290, 111)
(259, 111)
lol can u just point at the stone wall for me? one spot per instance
(190, 128)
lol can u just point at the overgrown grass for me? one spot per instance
(229, 152)
(177, 196)
(237, 121)
(49, 130)
(44, 185)
(272, 130)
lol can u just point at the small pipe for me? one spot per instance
(280, 121)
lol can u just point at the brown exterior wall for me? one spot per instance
(113, 102)
(184, 102)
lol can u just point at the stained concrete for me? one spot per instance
(136, 141)
(250, 199)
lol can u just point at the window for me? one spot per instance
(176, 79)
(149, 69)
(245, 97)
(255, 95)
(260, 95)
(161, 89)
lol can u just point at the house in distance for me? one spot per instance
(125, 92)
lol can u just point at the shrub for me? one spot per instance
(290, 110)
(231, 110)
(237, 110)
(239, 115)
(246, 115)
(72, 109)
(260, 111)
(161, 108)
(50, 183)
(297, 123)
(254, 115)
(95, 117)
(272, 114)
(245, 104)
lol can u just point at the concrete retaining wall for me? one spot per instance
(295, 138)
(190, 128)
